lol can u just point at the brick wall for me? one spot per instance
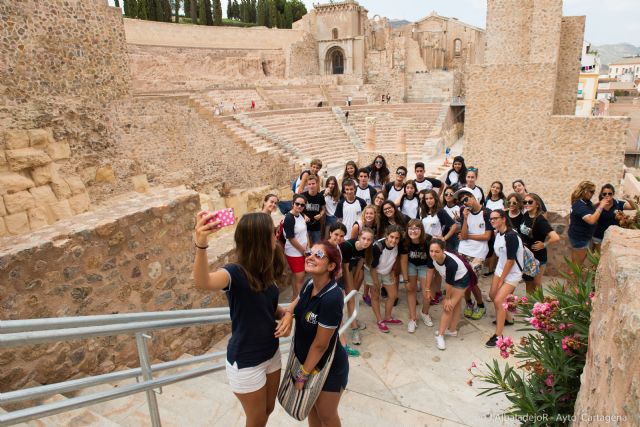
(569, 64)
(134, 256)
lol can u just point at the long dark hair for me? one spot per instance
(346, 175)
(262, 263)
(398, 217)
(404, 192)
(500, 194)
(383, 172)
(606, 187)
(335, 194)
(424, 209)
(462, 175)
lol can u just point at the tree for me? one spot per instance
(217, 12)
(166, 10)
(142, 9)
(116, 3)
(288, 15)
(130, 8)
(261, 13)
(202, 12)
(298, 9)
(273, 15)
(176, 7)
(193, 10)
(252, 11)
(229, 10)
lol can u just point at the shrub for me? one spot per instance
(542, 385)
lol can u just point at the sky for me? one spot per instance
(608, 21)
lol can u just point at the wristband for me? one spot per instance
(201, 247)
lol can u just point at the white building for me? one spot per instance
(588, 83)
(626, 69)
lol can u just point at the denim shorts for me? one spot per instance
(579, 243)
(462, 283)
(596, 241)
(330, 220)
(418, 270)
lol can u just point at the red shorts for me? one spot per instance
(296, 263)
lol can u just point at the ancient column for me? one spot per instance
(401, 141)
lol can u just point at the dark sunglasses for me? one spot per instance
(465, 199)
(528, 202)
(513, 203)
(401, 173)
(378, 162)
(299, 204)
(607, 194)
(448, 194)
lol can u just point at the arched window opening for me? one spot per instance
(334, 33)
(457, 47)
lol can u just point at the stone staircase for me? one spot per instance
(339, 94)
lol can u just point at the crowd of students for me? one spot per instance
(369, 231)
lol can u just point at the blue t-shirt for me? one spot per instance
(607, 219)
(253, 320)
(578, 228)
(324, 310)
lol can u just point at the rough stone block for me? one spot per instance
(61, 209)
(38, 218)
(3, 228)
(3, 159)
(15, 139)
(80, 203)
(88, 174)
(14, 182)
(60, 188)
(43, 194)
(17, 223)
(18, 202)
(42, 175)
(59, 150)
(140, 183)
(75, 184)
(40, 137)
(3, 210)
(24, 158)
(105, 174)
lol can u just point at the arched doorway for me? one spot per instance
(334, 61)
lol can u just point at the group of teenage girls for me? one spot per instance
(369, 229)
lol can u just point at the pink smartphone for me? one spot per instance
(225, 216)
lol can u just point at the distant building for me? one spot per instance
(626, 69)
(588, 81)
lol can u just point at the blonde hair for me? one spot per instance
(581, 190)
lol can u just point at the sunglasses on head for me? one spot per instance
(472, 169)
(299, 204)
(528, 202)
(319, 254)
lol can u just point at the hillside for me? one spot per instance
(614, 52)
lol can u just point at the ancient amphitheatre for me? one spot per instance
(111, 138)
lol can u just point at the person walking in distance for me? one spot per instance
(253, 360)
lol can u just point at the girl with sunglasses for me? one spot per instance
(519, 187)
(515, 209)
(583, 219)
(537, 234)
(318, 314)
(608, 216)
(297, 240)
(452, 270)
(415, 262)
(253, 360)
(510, 252)
(378, 172)
(456, 177)
(409, 202)
(452, 208)
(379, 273)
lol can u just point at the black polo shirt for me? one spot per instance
(324, 310)
(253, 320)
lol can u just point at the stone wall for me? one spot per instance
(302, 58)
(33, 191)
(174, 143)
(611, 376)
(134, 256)
(569, 64)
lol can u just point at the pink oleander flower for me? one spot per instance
(505, 344)
(524, 300)
(470, 382)
(571, 343)
(510, 303)
(562, 326)
(473, 365)
(592, 295)
(549, 380)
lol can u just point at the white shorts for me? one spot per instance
(248, 380)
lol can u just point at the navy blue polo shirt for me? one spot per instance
(253, 320)
(578, 228)
(607, 219)
(322, 310)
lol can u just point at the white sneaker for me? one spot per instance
(449, 333)
(440, 342)
(411, 326)
(426, 319)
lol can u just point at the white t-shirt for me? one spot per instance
(451, 263)
(478, 225)
(299, 233)
(365, 194)
(494, 204)
(349, 212)
(432, 225)
(509, 246)
(410, 207)
(331, 205)
(383, 259)
(395, 194)
(454, 212)
(453, 178)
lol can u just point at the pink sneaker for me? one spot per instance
(383, 327)
(393, 321)
(436, 299)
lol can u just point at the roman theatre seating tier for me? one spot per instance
(315, 133)
(416, 120)
(294, 96)
(241, 97)
(339, 94)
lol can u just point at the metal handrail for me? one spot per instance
(117, 328)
